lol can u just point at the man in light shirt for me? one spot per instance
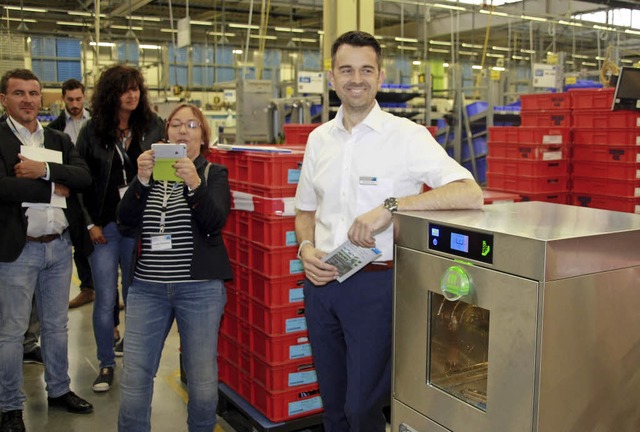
(70, 121)
(35, 245)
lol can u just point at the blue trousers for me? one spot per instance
(350, 332)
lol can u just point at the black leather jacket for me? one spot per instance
(99, 158)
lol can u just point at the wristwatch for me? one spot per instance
(391, 204)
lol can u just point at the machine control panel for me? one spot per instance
(467, 244)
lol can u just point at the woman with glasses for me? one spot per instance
(179, 273)
(121, 128)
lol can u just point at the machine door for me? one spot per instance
(464, 344)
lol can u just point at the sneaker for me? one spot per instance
(104, 380)
(87, 295)
(33, 357)
(11, 421)
(118, 349)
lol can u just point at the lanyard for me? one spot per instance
(15, 131)
(124, 156)
(165, 201)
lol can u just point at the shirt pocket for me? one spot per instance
(372, 195)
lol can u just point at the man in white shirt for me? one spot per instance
(359, 169)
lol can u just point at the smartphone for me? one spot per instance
(166, 155)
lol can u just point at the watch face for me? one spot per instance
(391, 204)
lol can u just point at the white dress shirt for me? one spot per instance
(72, 126)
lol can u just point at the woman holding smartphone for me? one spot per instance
(121, 128)
(179, 273)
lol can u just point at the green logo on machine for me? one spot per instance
(455, 283)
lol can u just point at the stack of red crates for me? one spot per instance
(297, 134)
(264, 353)
(532, 160)
(606, 153)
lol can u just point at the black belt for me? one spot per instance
(45, 238)
(376, 266)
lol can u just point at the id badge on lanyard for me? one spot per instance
(162, 240)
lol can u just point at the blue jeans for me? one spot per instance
(105, 260)
(43, 269)
(151, 308)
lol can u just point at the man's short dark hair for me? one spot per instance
(71, 84)
(21, 74)
(358, 39)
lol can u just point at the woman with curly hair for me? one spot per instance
(122, 127)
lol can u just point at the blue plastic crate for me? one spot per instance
(476, 108)
(479, 148)
(481, 169)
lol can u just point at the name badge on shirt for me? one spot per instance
(122, 190)
(369, 181)
(160, 242)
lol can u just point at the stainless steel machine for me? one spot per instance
(518, 317)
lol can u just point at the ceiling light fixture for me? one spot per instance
(495, 13)
(288, 30)
(438, 42)
(121, 27)
(533, 18)
(404, 39)
(84, 14)
(26, 9)
(73, 24)
(438, 50)
(103, 44)
(244, 26)
(446, 6)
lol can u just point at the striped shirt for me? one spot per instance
(174, 264)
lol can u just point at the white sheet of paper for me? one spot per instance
(44, 155)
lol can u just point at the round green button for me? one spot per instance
(455, 283)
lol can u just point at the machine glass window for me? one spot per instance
(458, 349)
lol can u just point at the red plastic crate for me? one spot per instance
(602, 153)
(530, 135)
(231, 244)
(274, 169)
(232, 301)
(557, 197)
(245, 386)
(495, 197)
(548, 118)
(275, 262)
(527, 151)
(432, 130)
(606, 119)
(273, 206)
(591, 99)
(613, 170)
(610, 137)
(545, 101)
(244, 335)
(298, 133)
(530, 184)
(242, 278)
(278, 320)
(278, 231)
(273, 292)
(228, 159)
(228, 373)
(227, 348)
(287, 405)
(284, 376)
(629, 205)
(606, 186)
(280, 349)
(244, 360)
(230, 226)
(520, 167)
(267, 191)
(229, 325)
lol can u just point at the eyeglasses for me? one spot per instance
(190, 124)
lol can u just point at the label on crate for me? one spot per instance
(638, 157)
(296, 266)
(637, 174)
(304, 406)
(295, 325)
(299, 351)
(301, 378)
(552, 139)
(293, 176)
(636, 192)
(296, 295)
(637, 210)
(552, 155)
(290, 238)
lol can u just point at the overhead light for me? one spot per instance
(496, 13)
(570, 62)
(626, 61)
(476, 67)
(570, 23)
(600, 58)
(122, 27)
(474, 46)
(202, 23)
(236, 51)
(144, 18)
(580, 56)
(18, 19)
(103, 44)
(634, 32)
(74, 23)
(217, 33)
(438, 42)
(589, 64)
(533, 18)
(438, 50)
(446, 6)
(599, 27)
(269, 37)
(498, 68)
(471, 53)
(308, 40)
(407, 48)
(527, 51)
(445, 64)
(84, 14)
(416, 62)
(165, 30)
(320, 32)
(26, 9)
(244, 26)
(404, 39)
(154, 47)
(495, 55)
(499, 48)
(288, 30)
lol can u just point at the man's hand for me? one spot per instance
(367, 225)
(96, 235)
(29, 168)
(318, 272)
(61, 190)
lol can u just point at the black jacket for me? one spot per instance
(99, 158)
(210, 205)
(73, 173)
(59, 123)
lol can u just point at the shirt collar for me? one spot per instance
(373, 120)
(23, 130)
(84, 115)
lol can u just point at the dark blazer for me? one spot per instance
(73, 173)
(60, 122)
(210, 205)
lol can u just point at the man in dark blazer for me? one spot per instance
(36, 232)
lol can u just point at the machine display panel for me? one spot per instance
(463, 243)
